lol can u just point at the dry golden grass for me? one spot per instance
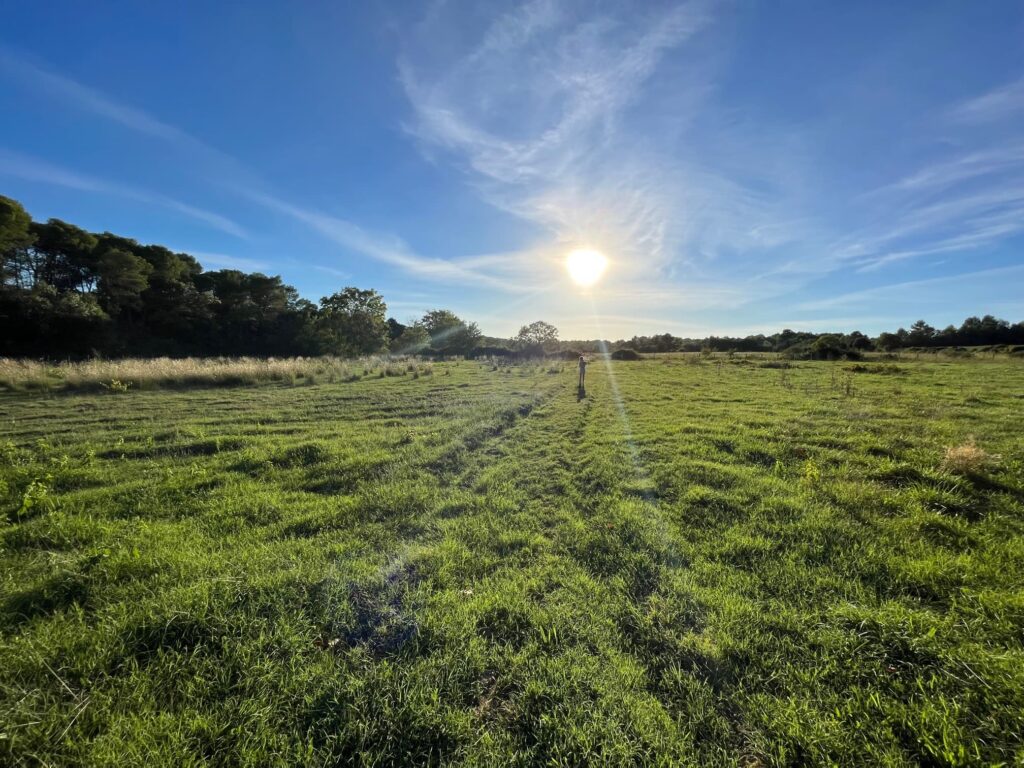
(127, 374)
(967, 458)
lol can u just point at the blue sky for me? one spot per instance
(745, 166)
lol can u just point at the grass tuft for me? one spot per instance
(968, 458)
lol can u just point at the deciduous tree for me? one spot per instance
(538, 336)
(449, 334)
(352, 322)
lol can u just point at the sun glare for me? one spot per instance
(586, 266)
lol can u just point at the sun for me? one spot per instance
(586, 266)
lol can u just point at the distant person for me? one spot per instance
(583, 370)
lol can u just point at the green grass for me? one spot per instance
(718, 561)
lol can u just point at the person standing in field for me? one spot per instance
(583, 370)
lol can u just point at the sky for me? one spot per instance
(745, 166)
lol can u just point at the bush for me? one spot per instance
(831, 347)
(626, 354)
(826, 347)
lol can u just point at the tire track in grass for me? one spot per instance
(387, 612)
(580, 481)
(483, 439)
(386, 605)
(628, 544)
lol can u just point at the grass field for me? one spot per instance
(724, 561)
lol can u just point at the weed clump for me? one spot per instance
(885, 370)
(968, 458)
(305, 455)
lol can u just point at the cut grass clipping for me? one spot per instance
(701, 560)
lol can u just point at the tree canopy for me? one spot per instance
(450, 334)
(539, 336)
(353, 321)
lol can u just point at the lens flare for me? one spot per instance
(586, 266)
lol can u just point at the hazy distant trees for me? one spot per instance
(859, 341)
(988, 330)
(974, 332)
(831, 346)
(65, 292)
(123, 277)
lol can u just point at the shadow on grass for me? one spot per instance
(46, 599)
(209, 447)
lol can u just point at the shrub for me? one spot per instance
(830, 347)
(826, 347)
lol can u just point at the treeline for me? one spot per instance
(66, 292)
(69, 293)
(974, 331)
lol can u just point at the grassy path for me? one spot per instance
(697, 563)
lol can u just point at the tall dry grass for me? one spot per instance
(125, 375)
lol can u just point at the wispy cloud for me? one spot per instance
(983, 231)
(1011, 277)
(332, 271)
(69, 91)
(970, 201)
(629, 127)
(225, 170)
(36, 170)
(541, 113)
(964, 168)
(571, 79)
(531, 111)
(1001, 102)
(968, 196)
(383, 247)
(225, 261)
